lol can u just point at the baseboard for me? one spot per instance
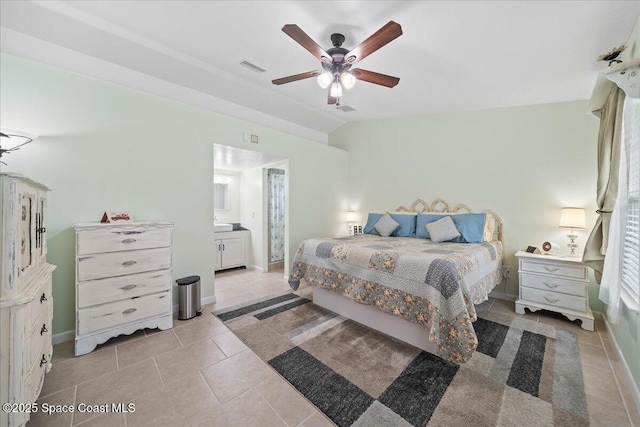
(632, 384)
(503, 295)
(256, 268)
(208, 300)
(63, 337)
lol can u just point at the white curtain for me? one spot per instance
(610, 286)
(276, 214)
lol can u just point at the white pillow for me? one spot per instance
(442, 230)
(386, 225)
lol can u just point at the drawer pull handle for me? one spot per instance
(128, 263)
(129, 240)
(43, 329)
(43, 298)
(129, 310)
(552, 300)
(43, 361)
(552, 270)
(550, 285)
(128, 287)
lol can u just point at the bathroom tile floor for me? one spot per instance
(200, 374)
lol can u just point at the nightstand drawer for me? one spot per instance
(554, 285)
(554, 299)
(577, 272)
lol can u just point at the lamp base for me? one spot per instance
(572, 244)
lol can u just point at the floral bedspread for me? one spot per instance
(434, 284)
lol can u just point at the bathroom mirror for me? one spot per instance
(220, 196)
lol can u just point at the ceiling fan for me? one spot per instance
(337, 61)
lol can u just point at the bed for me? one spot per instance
(410, 288)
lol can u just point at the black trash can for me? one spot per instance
(189, 297)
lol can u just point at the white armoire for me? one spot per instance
(26, 304)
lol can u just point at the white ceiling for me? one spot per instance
(452, 56)
(237, 159)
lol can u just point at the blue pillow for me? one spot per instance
(407, 227)
(470, 226)
(371, 223)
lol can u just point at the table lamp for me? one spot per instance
(572, 218)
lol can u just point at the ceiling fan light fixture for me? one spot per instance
(336, 90)
(325, 79)
(348, 80)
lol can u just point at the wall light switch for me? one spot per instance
(246, 137)
(254, 139)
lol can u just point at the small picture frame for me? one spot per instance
(531, 249)
(116, 217)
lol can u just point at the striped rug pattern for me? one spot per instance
(523, 373)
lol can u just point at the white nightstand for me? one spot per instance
(554, 283)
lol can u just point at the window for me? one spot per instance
(630, 259)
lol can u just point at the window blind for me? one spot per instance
(631, 249)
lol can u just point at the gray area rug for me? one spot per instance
(523, 373)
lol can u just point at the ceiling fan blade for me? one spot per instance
(296, 33)
(376, 78)
(391, 31)
(331, 100)
(295, 77)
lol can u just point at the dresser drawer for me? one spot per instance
(40, 335)
(123, 263)
(554, 299)
(552, 284)
(125, 311)
(35, 377)
(38, 307)
(122, 239)
(102, 291)
(577, 272)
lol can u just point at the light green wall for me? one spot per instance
(104, 147)
(627, 335)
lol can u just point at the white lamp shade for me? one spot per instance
(325, 79)
(348, 80)
(352, 216)
(336, 90)
(572, 218)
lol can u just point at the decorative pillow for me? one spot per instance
(386, 225)
(442, 230)
(422, 220)
(407, 223)
(472, 227)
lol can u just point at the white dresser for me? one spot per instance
(554, 283)
(26, 309)
(123, 280)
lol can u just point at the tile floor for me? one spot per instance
(200, 374)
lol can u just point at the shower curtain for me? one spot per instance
(276, 214)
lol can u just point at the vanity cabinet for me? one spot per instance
(123, 280)
(26, 303)
(231, 249)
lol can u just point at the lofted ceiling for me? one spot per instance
(452, 56)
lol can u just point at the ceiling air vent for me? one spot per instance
(253, 67)
(346, 108)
